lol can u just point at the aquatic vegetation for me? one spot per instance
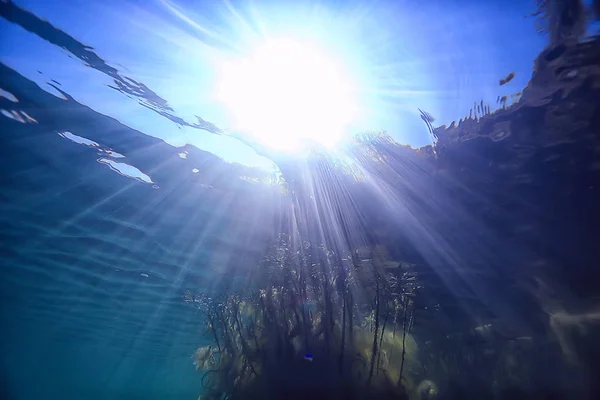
(306, 327)
(314, 321)
(562, 19)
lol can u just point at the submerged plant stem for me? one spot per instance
(341, 361)
(404, 331)
(374, 350)
(387, 314)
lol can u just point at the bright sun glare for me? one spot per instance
(287, 92)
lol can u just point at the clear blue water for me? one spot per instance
(115, 203)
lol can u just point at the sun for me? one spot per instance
(288, 92)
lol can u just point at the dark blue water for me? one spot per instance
(106, 231)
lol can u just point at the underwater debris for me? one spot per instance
(428, 119)
(507, 79)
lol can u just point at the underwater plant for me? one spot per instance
(300, 325)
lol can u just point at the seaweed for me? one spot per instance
(265, 335)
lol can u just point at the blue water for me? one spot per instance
(95, 262)
(114, 203)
